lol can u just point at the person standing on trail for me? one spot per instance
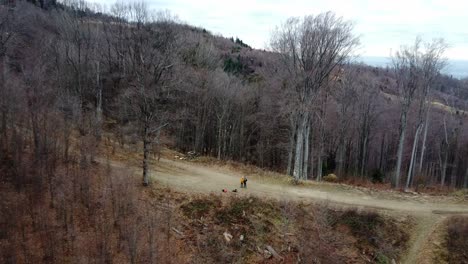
(242, 182)
(245, 182)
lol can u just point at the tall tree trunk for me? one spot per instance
(429, 181)
(454, 150)
(319, 165)
(305, 171)
(401, 145)
(320, 153)
(292, 136)
(341, 150)
(423, 147)
(340, 159)
(299, 155)
(146, 150)
(443, 168)
(220, 131)
(465, 184)
(157, 141)
(224, 142)
(413, 156)
(200, 128)
(241, 139)
(364, 155)
(382, 150)
(311, 155)
(453, 173)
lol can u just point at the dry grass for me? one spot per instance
(251, 222)
(460, 194)
(366, 183)
(457, 240)
(296, 231)
(381, 238)
(350, 236)
(447, 108)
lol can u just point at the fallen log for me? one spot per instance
(273, 252)
(178, 232)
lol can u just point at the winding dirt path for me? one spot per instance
(192, 177)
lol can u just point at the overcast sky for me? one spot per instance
(382, 25)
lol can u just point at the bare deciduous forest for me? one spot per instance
(81, 85)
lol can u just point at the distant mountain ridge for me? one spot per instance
(456, 68)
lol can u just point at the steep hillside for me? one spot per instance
(80, 88)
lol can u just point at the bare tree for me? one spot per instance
(433, 62)
(346, 96)
(407, 69)
(465, 182)
(149, 55)
(311, 48)
(367, 115)
(416, 69)
(224, 90)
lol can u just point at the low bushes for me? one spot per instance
(330, 178)
(379, 238)
(198, 207)
(457, 240)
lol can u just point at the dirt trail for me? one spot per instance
(420, 242)
(192, 177)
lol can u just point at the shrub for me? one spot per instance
(362, 225)
(294, 181)
(197, 208)
(457, 240)
(380, 237)
(330, 178)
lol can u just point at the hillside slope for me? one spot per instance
(427, 211)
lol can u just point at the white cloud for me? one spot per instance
(382, 25)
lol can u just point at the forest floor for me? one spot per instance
(429, 211)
